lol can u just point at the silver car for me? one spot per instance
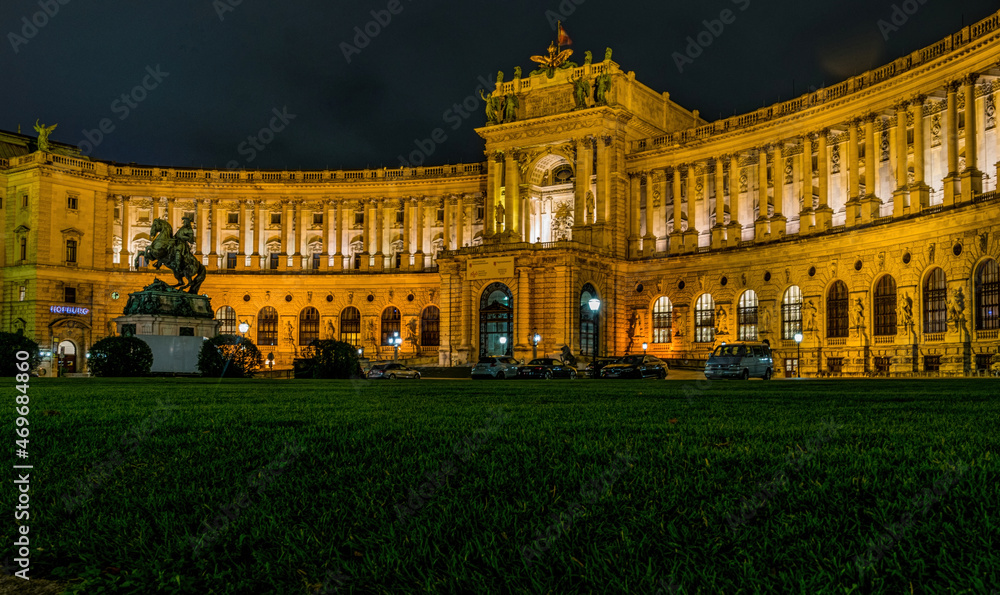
(740, 360)
(496, 366)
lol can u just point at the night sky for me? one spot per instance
(225, 66)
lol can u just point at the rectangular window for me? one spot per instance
(882, 366)
(118, 213)
(480, 212)
(69, 295)
(144, 215)
(234, 218)
(399, 217)
(71, 202)
(70, 250)
(22, 293)
(359, 218)
(983, 360)
(932, 363)
(24, 200)
(315, 261)
(835, 365)
(24, 249)
(275, 218)
(274, 262)
(230, 260)
(440, 215)
(317, 218)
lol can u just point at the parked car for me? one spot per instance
(740, 360)
(636, 366)
(593, 369)
(393, 371)
(547, 368)
(496, 366)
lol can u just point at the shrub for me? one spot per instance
(331, 359)
(229, 356)
(10, 344)
(120, 356)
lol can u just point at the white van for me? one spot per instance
(740, 360)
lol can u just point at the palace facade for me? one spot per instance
(863, 216)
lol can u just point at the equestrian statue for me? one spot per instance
(174, 251)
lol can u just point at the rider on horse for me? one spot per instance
(184, 237)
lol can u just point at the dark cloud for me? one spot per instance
(226, 75)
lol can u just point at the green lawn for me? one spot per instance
(527, 487)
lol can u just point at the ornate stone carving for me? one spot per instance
(789, 170)
(884, 144)
(990, 110)
(835, 159)
(936, 130)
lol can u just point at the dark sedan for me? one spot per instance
(547, 368)
(636, 366)
(593, 369)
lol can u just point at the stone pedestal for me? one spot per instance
(778, 225)
(734, 234)
(824, 218)
(173, 323)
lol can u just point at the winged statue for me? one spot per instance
(554, 60)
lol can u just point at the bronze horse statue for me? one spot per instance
(173, 252)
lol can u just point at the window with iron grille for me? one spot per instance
(704, 319)
(746, 316)
(882, 366)
(983, 361)
(227, 319)
(987, 296)
(837, 321)
(791, 313)
(663, 318)
(350, 326)
(308, 326)
(935, 302)
(430, 327)
(885, 306)
(932, 363)
(390, 324)
(835, 365)
(267, 326)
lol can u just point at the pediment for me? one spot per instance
(71, 231)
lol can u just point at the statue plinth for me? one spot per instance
(173, 323)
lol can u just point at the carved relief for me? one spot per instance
(789, 170)
(835, 159)
(936, 130)
(990, 110)
(885, 145)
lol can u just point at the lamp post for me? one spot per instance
(644, 347)
(395, 346)
(534, 345)
(244, 327)
(798, 355)
(595, 307)
(503, 345)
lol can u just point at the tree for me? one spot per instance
(229, 356)
(331, 359)
(120, 356)
(10, 344)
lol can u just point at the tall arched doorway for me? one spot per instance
(496, 321)
(589, 323)
(66, 352)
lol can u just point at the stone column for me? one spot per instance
(492, 192)
(418, 255)
(512, 211)
(582, 183)
(870, 204)
(522, 313)
(466, 314)
(246, 238)
(459, 222)
(214, 223)
(972, 178)
(447, 203)
(659, 216)
(735, 233)
(760, 224)
(719, 229)
(157, 212)
(124, 256)
(633, 214)
(201, 206)
(258, 239)
(407, 239)
(691, 235)
(378, 226)
(951, 144)
(288, 227)
(649, 238)
(175, 221)
(293, 208)
(366, 234)
(603, 175)
(676, 241)
(902, 157)
(778, 221)
(824, 214)
(853, 175)
(338, 242)
(919, 188)
(301, 225)
(806, 187)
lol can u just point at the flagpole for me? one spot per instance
(558, 36)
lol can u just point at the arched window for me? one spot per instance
(308, 325)
(663, 320)
(746, 316)
(885, 306)
(496, 320)
(837, 321)
(267, 326)
(935, 302)
(987, 296)
(227, 319)
(704, 319)
(588, 322)
(791, 313)
(430, 327)
(350, 326)
(390, 325)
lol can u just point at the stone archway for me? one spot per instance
(551, 202)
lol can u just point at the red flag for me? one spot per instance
(563, 37)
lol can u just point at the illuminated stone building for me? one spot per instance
(861, 215)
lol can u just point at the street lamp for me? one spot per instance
(644, 347)
(503, 345)
(595, 307)
(395, 340)
(798, 355)
(534, 347)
